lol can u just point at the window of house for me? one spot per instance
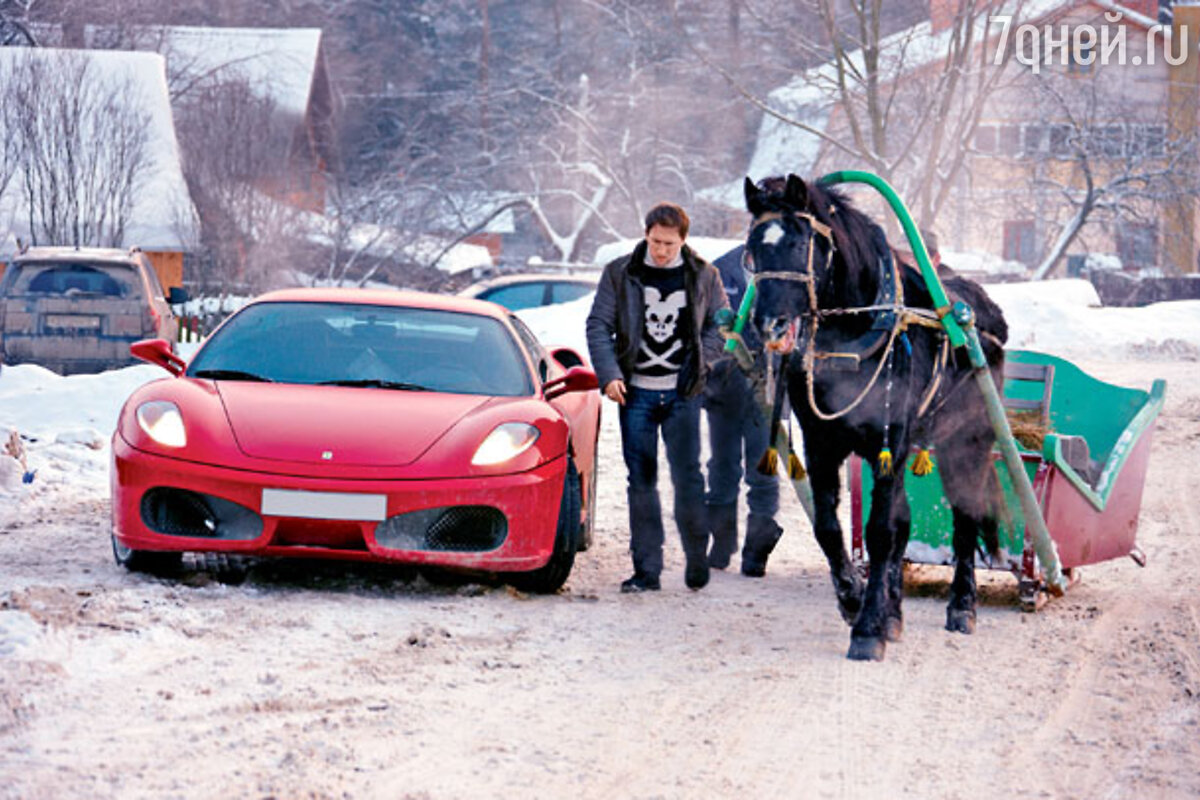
(1147, 141)
(1137, 244)
(985, 138)
(1035, 139)
(1010, 140)
(1061, 138)
(1109, 140)
(1019, 244)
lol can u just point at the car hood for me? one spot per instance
(337, 424)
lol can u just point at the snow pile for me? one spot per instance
(18, 632)
(1064, 318)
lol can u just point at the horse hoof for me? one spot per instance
(866, 648)
(960, 621)
(895, 629)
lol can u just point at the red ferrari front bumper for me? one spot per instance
(503, 523)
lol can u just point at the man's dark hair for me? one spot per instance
(669, 215)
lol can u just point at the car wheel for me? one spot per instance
(145, 560)
(550, 578)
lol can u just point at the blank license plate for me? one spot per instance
(324, 505)
(74, 322)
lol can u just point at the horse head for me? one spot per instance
(789, 252)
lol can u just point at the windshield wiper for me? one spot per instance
(376, 383)
(230, 375)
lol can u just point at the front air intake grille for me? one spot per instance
(448, 528)
(179, 512)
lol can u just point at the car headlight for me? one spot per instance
(507, 441)
(162, 422)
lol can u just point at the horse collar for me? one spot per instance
(883, 310)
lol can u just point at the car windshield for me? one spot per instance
(380, 347)
(72, 279)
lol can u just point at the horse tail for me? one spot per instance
(997, 511)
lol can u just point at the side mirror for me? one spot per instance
(577, 379)
(158, 352)
(177, 295)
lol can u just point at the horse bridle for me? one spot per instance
(899, 315)
(815, 227)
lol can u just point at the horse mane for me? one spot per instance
(859, 239)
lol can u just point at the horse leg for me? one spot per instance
(972, 488)
(901, 528)
(868, 638)
(823, 475)
(960, 610)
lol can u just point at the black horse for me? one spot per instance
(870, 372)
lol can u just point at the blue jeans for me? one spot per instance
(644, 414)
(737, 434)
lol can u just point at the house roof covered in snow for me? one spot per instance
(278, 63)
(162, 216)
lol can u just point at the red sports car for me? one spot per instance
(368, 425)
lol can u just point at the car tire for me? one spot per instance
(550, 578)
(151, 561)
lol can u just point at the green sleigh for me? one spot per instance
(1088, 476)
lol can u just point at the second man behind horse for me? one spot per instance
(738, 434)
(652, 337)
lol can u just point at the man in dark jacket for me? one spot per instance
(652, 337)
(737, 435)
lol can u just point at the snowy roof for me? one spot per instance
(163, 217)
(278, 63)
(782, 147)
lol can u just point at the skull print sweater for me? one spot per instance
(616, 325)
(660, 354)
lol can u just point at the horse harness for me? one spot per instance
(892, 319)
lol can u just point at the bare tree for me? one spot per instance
(235, 157)
(570, 174)
(903, 105)
(14, 23)
(82, 148)
(1101, 165)
(10, 150)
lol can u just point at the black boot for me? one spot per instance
(723, 524)
(761, 535)
(695, 550)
